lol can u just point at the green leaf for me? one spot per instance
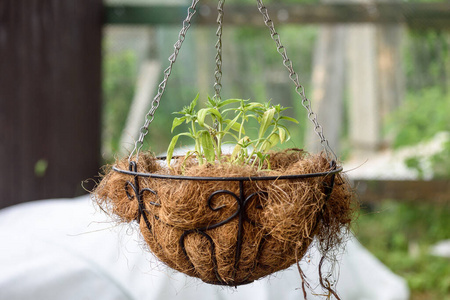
(228, 101)
(253, 105)
(193, 104)
(264, 146)
(266, 120)
(289, 119)
(237, 149)
(253, 117)
(271, 142)
(282, 134)
(287, 133)
(232, 109)
(233, 124)
(274, 138)
(177, 122)
(179, 112)
(171, 148)
(173, 143)
(201, 115)
(227, 133)
(238, 128)
(246, 142)
(262, 157)
(211, 102)
(242, 144)
(216, 113)
(207, 145)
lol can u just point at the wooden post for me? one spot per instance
(328, 87)
(50, 87)
(375, 83)
(205, 62)
(365, 121)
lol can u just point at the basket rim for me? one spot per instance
(334, 169)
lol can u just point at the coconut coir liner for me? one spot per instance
(280, 222)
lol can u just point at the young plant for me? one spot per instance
(210, 127)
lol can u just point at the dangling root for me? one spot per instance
(305, 283)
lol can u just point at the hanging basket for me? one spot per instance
(224, 223)
(227, 224)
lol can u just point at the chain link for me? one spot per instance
(218, 69)
(162, 86)
(294, 77)
(218, 74)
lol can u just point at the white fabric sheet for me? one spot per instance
(69, 249)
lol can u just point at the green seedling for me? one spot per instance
(225, 121)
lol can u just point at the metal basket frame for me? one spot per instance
(242, 199)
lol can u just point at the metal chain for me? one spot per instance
(162, 86)
(294, 77)
(218, 69)
(218, 74)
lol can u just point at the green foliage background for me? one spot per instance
(401, 236)
(119, 80)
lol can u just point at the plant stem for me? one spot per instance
(219, 141)
(242, 126)
(197, 145)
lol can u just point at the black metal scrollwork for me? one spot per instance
(240, 213)
(138, 195)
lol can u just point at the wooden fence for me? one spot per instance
(414, 15)
(430, 191)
